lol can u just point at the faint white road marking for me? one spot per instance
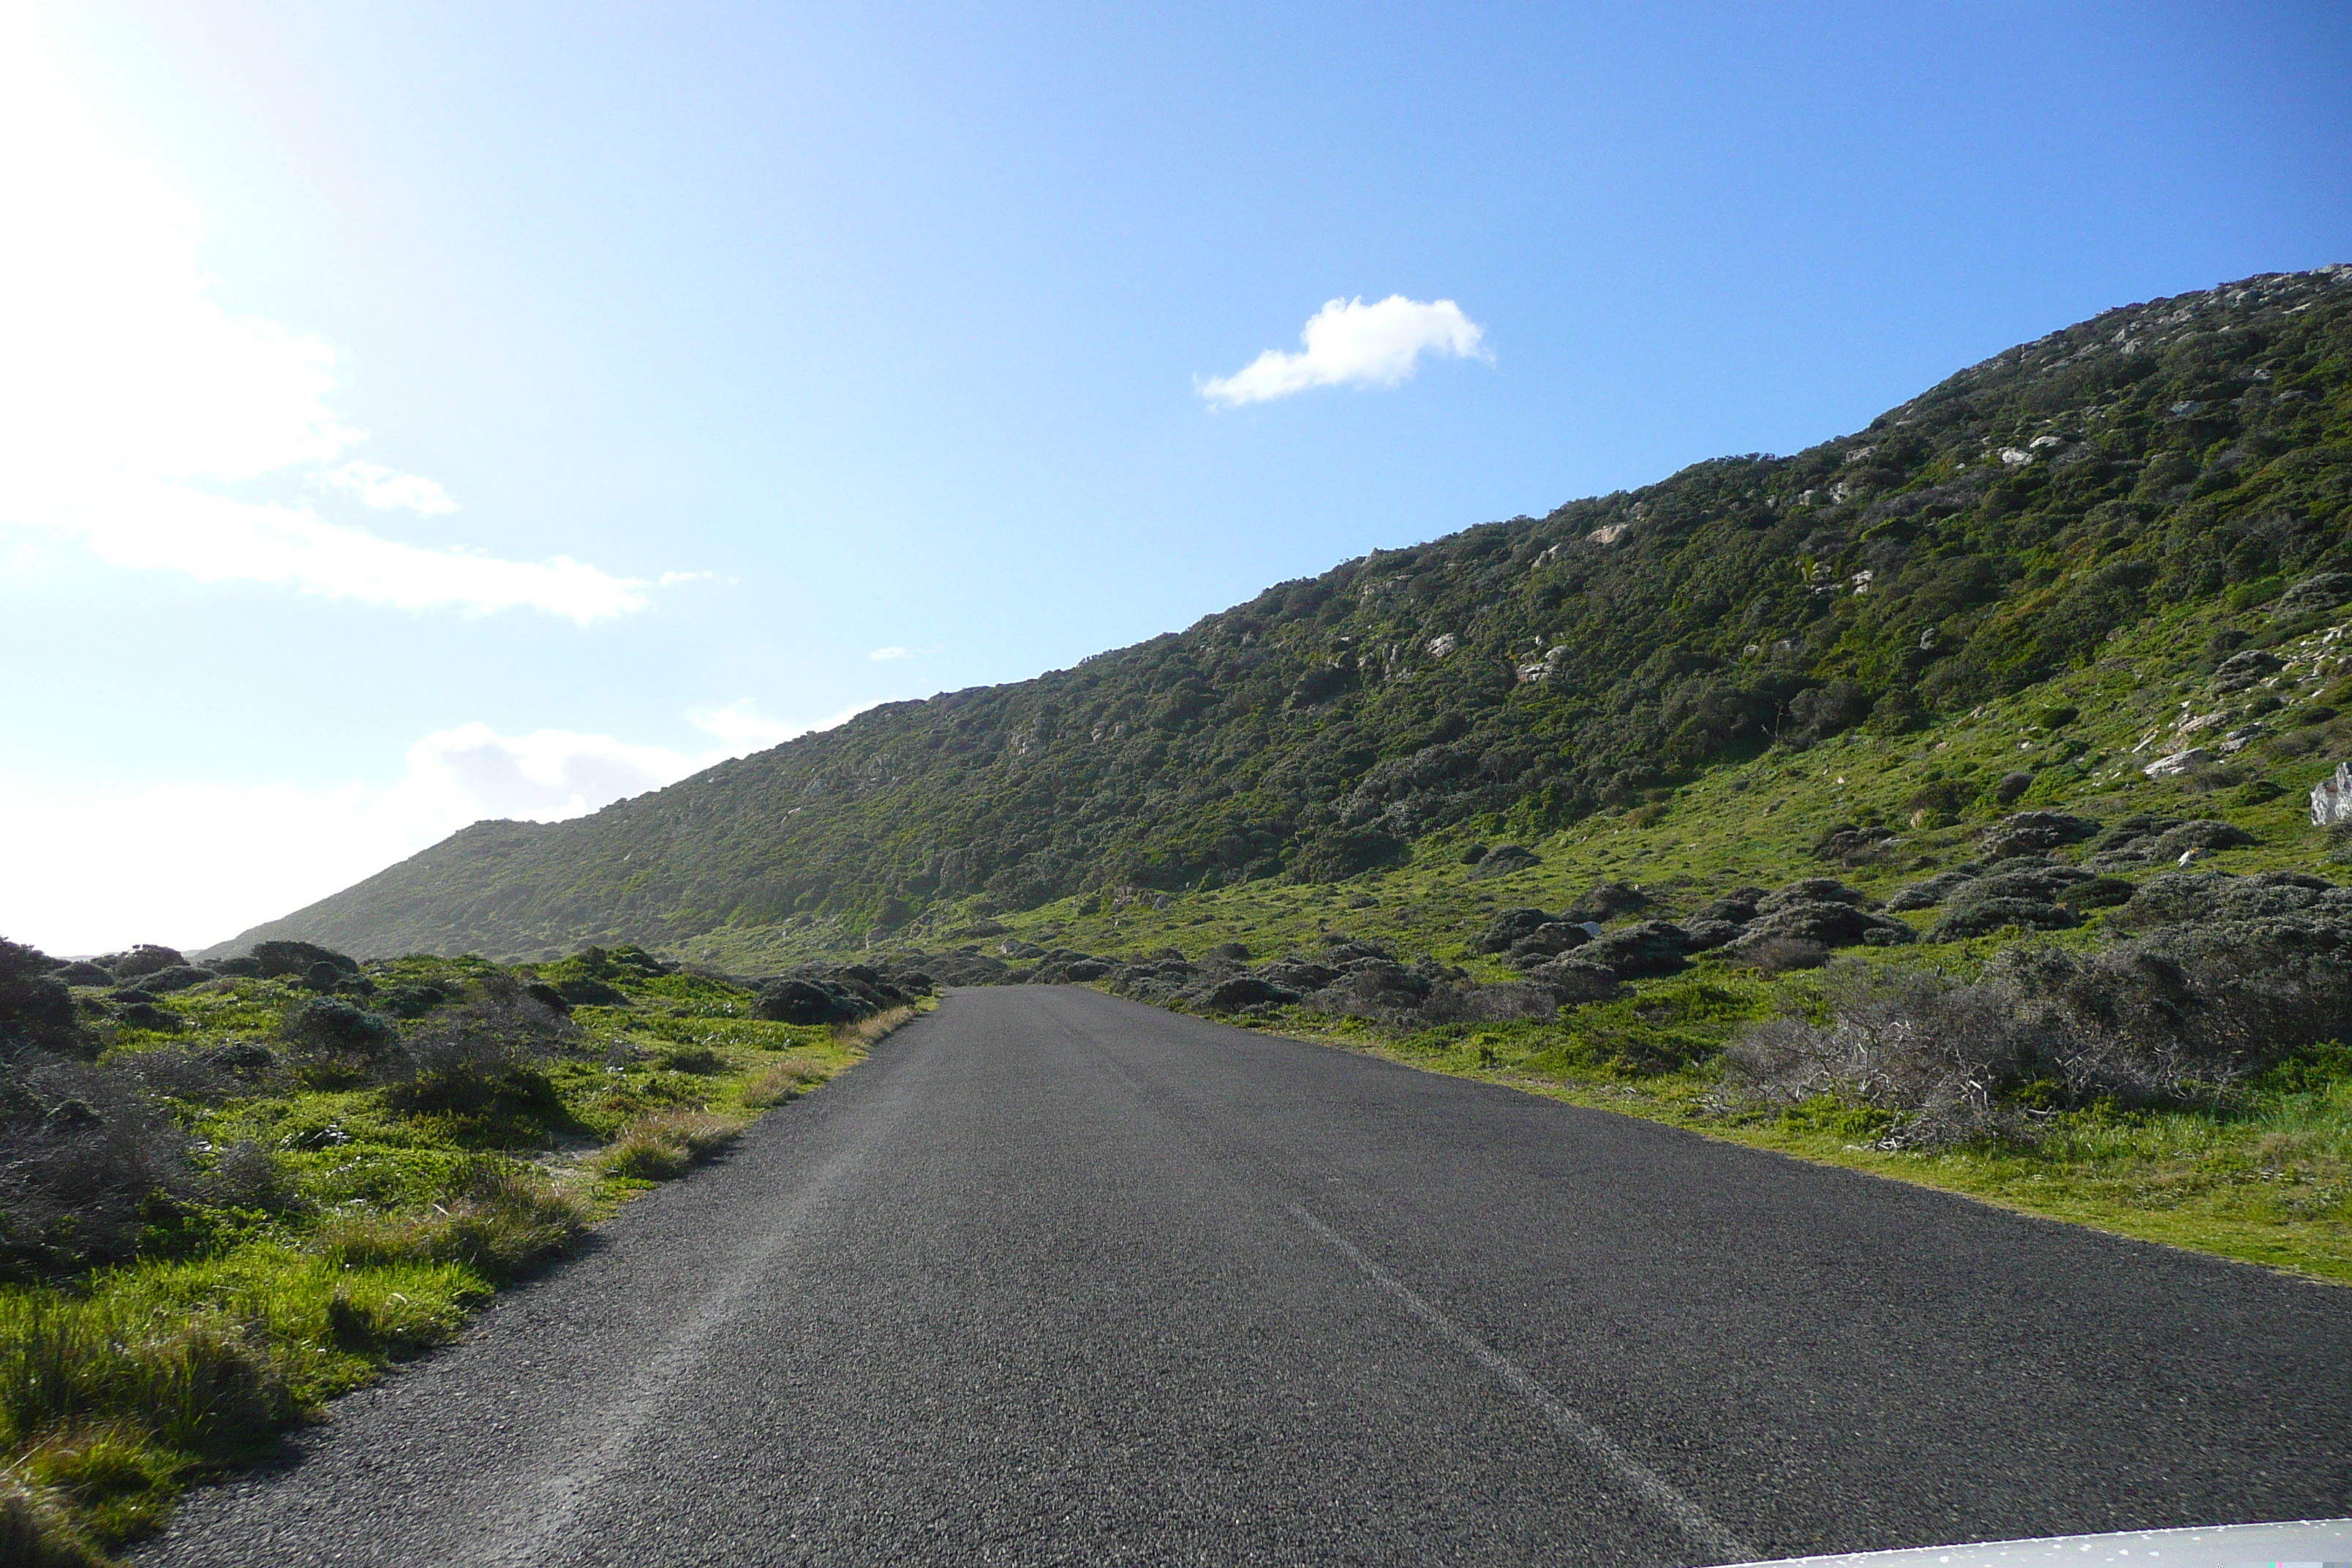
(1629, 1472)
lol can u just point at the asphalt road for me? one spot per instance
(1058, 1278)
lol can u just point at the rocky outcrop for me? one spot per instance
(2331, 799)
(2034, 833)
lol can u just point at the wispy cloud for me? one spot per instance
(83, 877)
(1350, 344)
(893, 651)
(385, 490)
(140, 416)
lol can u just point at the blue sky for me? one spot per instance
(806, 334)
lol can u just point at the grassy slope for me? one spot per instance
(119, 1388)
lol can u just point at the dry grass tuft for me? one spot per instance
(664, 1144)
(783, 1080)
(867, 1032)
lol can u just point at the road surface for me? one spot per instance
(1055, 1278)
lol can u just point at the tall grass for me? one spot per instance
(36, 1529)
(783, 1081)
(664, 1144)
(116, 1390)
(869, 1031)
(504, 1223)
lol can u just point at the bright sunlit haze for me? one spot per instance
(411, 414)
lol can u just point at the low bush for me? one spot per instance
(86, 1162)
(699, 1060)
(203, 1237)
(273, 959)
(464, 1058)
(1779, 955)
(2176, 1018)
(336, 1041)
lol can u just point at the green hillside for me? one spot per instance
(2093, 521)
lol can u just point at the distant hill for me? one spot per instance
(1991, 533)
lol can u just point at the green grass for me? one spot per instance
(395, 1216)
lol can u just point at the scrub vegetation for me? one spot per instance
(230, 1193)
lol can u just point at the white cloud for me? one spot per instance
(129, 395)
(741, 727)
(386, 490)
(1350, 344)
(84, 875)
(893, 651)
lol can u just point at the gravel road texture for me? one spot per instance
(1055, 1278)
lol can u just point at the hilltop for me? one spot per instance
(2094, 520)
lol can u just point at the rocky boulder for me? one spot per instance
(2179, 763)
(1574, 980)
(1607, 902)
(1242, 992)
(2034, 833)
(1983, 917)
(1644, 947)
(2320, 591)
(1548, 942)
(1510, 927)
(2245, 668)
(1503, 859)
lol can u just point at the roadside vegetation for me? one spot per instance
(229, 1192)
(1992, 954)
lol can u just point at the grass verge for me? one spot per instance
(373, 1206)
